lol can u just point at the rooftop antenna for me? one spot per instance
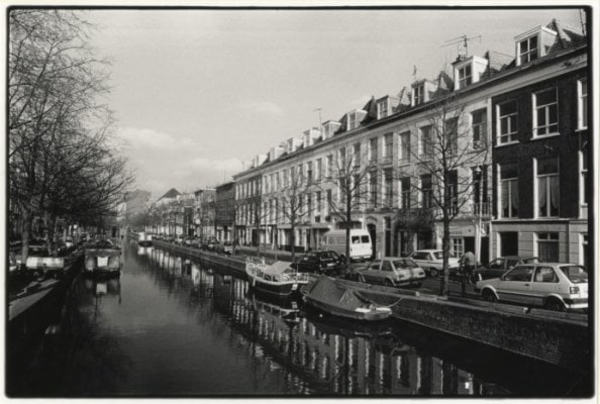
(462, 43)
(414, 74)
(319, 111)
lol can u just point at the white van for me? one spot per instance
(360, 243)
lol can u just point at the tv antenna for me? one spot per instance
(462, 43)
(319, 111)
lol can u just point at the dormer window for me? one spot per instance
(528, 50)
(419, 94)
(382, 109)
(465, 77)
(534, 44)
(354, 118)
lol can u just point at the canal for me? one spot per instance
(170, 327)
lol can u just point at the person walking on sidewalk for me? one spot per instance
(467, 265)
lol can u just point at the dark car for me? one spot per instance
(320, 262)
(212, 244)
(499, 266)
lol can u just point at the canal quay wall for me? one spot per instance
(562, 339)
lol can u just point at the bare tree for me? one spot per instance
(60, 159)
(355, 178)
(444, 163)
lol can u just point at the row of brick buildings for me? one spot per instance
(522, 120)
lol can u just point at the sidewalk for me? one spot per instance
(268, 253)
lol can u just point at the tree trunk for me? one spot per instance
(446, 254)
(348, 221)
(293, 240)
(25, 234)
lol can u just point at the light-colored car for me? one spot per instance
(432, 261)
(553, 286)
(392, 271)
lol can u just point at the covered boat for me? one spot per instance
(338, 300)
(278, 279)
(103, 257)
(144, 240)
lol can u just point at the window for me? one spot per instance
(329, 165)
(329, 201)
(509, 191)
(582, 104)
(388, 192)
(418, 94)
(405, 193)
(528, 50)
(457, 246)
(480, 188)
(309, 207)
(583, 256)
(519, 274)
(355, 186)
(452, 189)
(426, 191)
(278, 180)
(545, 275)
(386, 266)
(425, 141)
(373, 150)
(583, 197)
(451, 135)
(309, 172)
(352, 121)
(342, 158)
(356, 155)
(547, 245)
(300, 175)
(464, 76)
(545, 113)
(373, 188)
(388, 152)
(507, 122)
(479, 127)
(285, 178)
(319, 170)
(319, 203)
(382, 109)
(547, 187)
(404, 140)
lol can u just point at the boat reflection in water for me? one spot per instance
(144, 250)
(324, 355)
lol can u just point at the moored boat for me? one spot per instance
(144, 240)
(338, 300)
(278, 279)
(103, 257)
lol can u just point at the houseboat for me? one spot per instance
(278, 279)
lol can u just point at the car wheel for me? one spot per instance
(361, 279)
(489, 296)
(388, 283)
(433, 272)
(554, 305)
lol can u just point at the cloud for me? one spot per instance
(152, 139)
(263, 107)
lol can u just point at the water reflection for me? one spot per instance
(154, 330)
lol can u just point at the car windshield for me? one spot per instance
(365, 239)
(532, 260)
(575, 273)
(329, 255)
(405, 263)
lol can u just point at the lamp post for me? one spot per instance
(479, 209)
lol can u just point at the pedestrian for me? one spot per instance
(467, 264)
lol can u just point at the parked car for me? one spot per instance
(324, 262)
(197, 242)
(554, 286)
(497, 267)
(432, 261)
(212, 244)
(178, 240)
(392, 271)
(188, 241)
(228, 247)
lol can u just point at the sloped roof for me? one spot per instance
(171, 194)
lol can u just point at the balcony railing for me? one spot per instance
(483, 209)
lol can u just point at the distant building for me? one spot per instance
(225, 211)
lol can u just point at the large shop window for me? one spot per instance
(547, 187)
(547, 244)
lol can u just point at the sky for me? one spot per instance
(198, 92)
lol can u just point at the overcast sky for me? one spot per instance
(196, 92)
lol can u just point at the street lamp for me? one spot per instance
(479, 173)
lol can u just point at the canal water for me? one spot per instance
(169, 327)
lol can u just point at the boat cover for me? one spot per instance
(277, 268)
(326, 290)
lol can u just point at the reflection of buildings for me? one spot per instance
(318, 356)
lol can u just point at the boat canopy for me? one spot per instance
(277, 268)
(327, 290)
